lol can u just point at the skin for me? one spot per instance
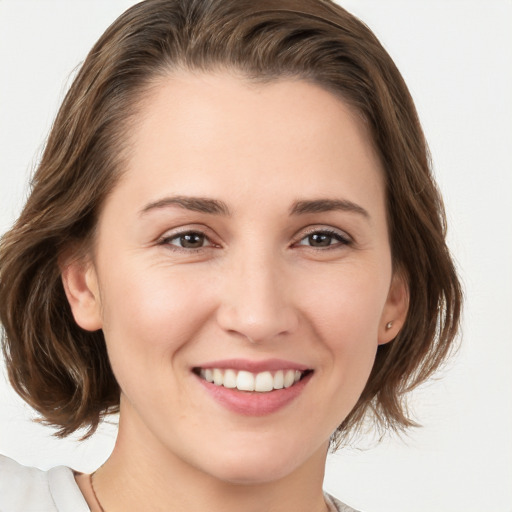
(258, 288)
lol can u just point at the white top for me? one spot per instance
(24, 489)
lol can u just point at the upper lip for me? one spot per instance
(255, 366)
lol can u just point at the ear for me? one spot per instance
(395, 309)
(80, 283)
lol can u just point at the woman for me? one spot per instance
(234, 239)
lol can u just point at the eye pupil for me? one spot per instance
(192, 240)
(320, 240)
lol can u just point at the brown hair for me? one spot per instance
(62, 370)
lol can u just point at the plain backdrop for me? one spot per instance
(456, 57)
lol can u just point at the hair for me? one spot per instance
(62, 370)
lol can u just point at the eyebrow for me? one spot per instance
(217, 207)
(327, 205)
(196, 204)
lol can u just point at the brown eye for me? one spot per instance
(321, 239)
(190, 240)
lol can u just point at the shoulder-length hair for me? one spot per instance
(63, 371)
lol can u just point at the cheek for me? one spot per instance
(346, 315)
(350, 300)
(149, 319)
(152, 313)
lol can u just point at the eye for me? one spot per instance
(324, 238)
(188, 240)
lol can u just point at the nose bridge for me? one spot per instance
(256, 302)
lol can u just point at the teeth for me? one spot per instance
(289, 378)
(245, 381)
(242, 380)
(229, 379)
(218, 378)
(279, 380)
(264, 382)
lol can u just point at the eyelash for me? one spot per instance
(166, 241)
(342, 240)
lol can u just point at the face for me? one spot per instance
(247, 244)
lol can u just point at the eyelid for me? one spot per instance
(184, 230)
(343, 237)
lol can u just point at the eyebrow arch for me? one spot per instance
(196, 204)
(327, 205)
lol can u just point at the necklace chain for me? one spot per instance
(91, 480)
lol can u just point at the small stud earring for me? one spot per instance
(389, 325)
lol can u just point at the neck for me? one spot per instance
(142, 475)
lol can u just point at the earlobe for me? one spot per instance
(81, 286)
(395, 309)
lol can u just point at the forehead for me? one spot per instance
(209, 134)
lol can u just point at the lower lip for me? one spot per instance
(253, 403)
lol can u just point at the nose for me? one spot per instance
(256, 300)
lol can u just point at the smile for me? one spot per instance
(253, 388)
(242, 380)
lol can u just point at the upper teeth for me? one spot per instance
(246, 381)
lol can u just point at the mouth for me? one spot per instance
(243, 380)
(253, 388)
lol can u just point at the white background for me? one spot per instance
(456, 57)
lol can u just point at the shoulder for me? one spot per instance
(26, 489)
(336, 505)
(23, 488)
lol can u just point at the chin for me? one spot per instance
(247, 474)
(258, 466)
